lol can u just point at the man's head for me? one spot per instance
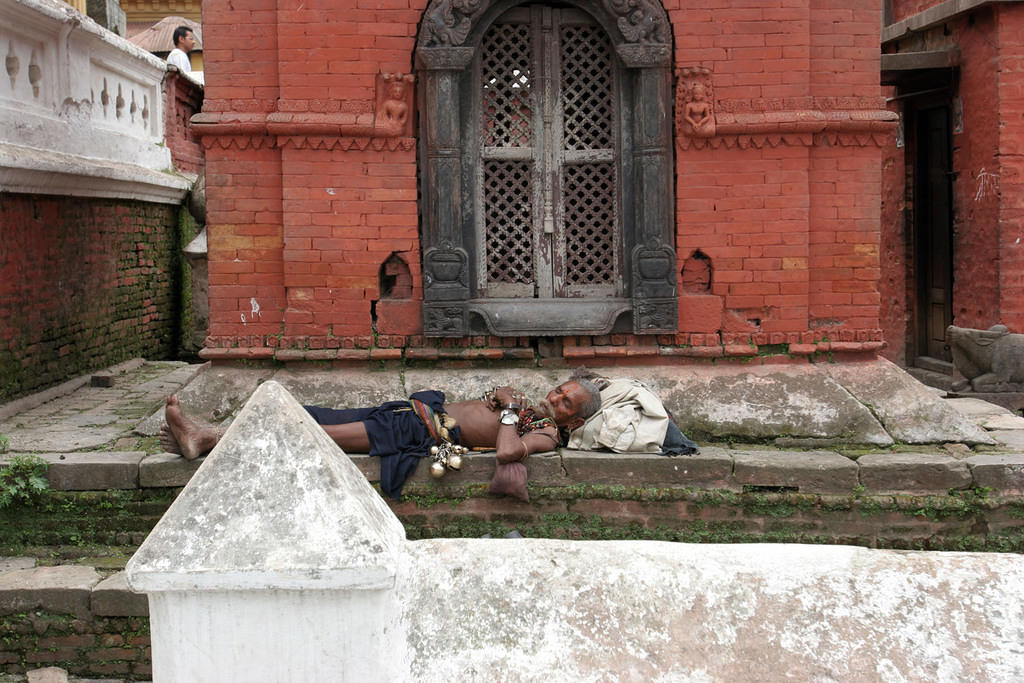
(571, 403)
(184, 39)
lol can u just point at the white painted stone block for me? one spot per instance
(277, 554)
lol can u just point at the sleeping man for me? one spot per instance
(402, 432)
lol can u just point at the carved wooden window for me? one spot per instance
(547, 170)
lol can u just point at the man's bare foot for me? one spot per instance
(168, 442)
(191, 439)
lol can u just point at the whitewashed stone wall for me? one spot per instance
(81, 109)
(278, 562)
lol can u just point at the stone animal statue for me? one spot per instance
(992, 360)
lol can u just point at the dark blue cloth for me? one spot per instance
(397, 435)
(675, 442)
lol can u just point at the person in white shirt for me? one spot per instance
(184, 41)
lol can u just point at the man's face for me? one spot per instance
(563, 402)
(187, 42)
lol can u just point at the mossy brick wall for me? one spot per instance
(84, 283)
(968, 521)
(88, 646)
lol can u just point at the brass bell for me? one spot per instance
(436, 470)
(455, 462)
(434, 450)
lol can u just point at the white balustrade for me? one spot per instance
(81, 109)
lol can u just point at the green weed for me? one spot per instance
(23, 480)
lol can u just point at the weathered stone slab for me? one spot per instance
(112, 598)
(538, 609)
(463, 385)
(215, 394)
(167, 469)
(975, 407)
(47, 437)
(49, 674)
(760, 402)
(808, 472)
(274, 504)
(476, 467)
(96, 471)
(711, 468)
(1011, 438)
(913, 473)
(342, 388)
(1003, 473)
(999, 422)
(11, 563)
(908, 410)
(65, 589)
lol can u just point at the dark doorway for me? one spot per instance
(933, 233)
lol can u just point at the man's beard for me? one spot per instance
(544, 408)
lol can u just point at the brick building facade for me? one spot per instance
(953, 189)
(395, 179)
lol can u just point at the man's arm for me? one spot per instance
(513, 448)
(509, 445)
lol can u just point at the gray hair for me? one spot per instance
(593, 402)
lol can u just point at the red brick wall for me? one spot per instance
(246, 247)
(976, 165)
(893, 254)
(83, 284)
(303, 223)
(901, 9)
(1011, 174)
(182, 98)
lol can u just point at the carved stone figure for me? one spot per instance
(694, 103)
(393, 104)
(992, 360)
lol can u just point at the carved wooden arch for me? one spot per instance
(641, 36)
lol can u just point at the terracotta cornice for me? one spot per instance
(804, 121)
(293, 125)
(857, 127)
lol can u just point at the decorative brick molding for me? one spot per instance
(397, 347)
(796, 121)
(388, 127)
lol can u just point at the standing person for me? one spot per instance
(184, 40)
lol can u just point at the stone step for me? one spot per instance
(821, 471)
(67, 589)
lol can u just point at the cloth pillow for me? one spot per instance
(510, 479)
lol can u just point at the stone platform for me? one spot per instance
(912, 446)
(896, 437)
